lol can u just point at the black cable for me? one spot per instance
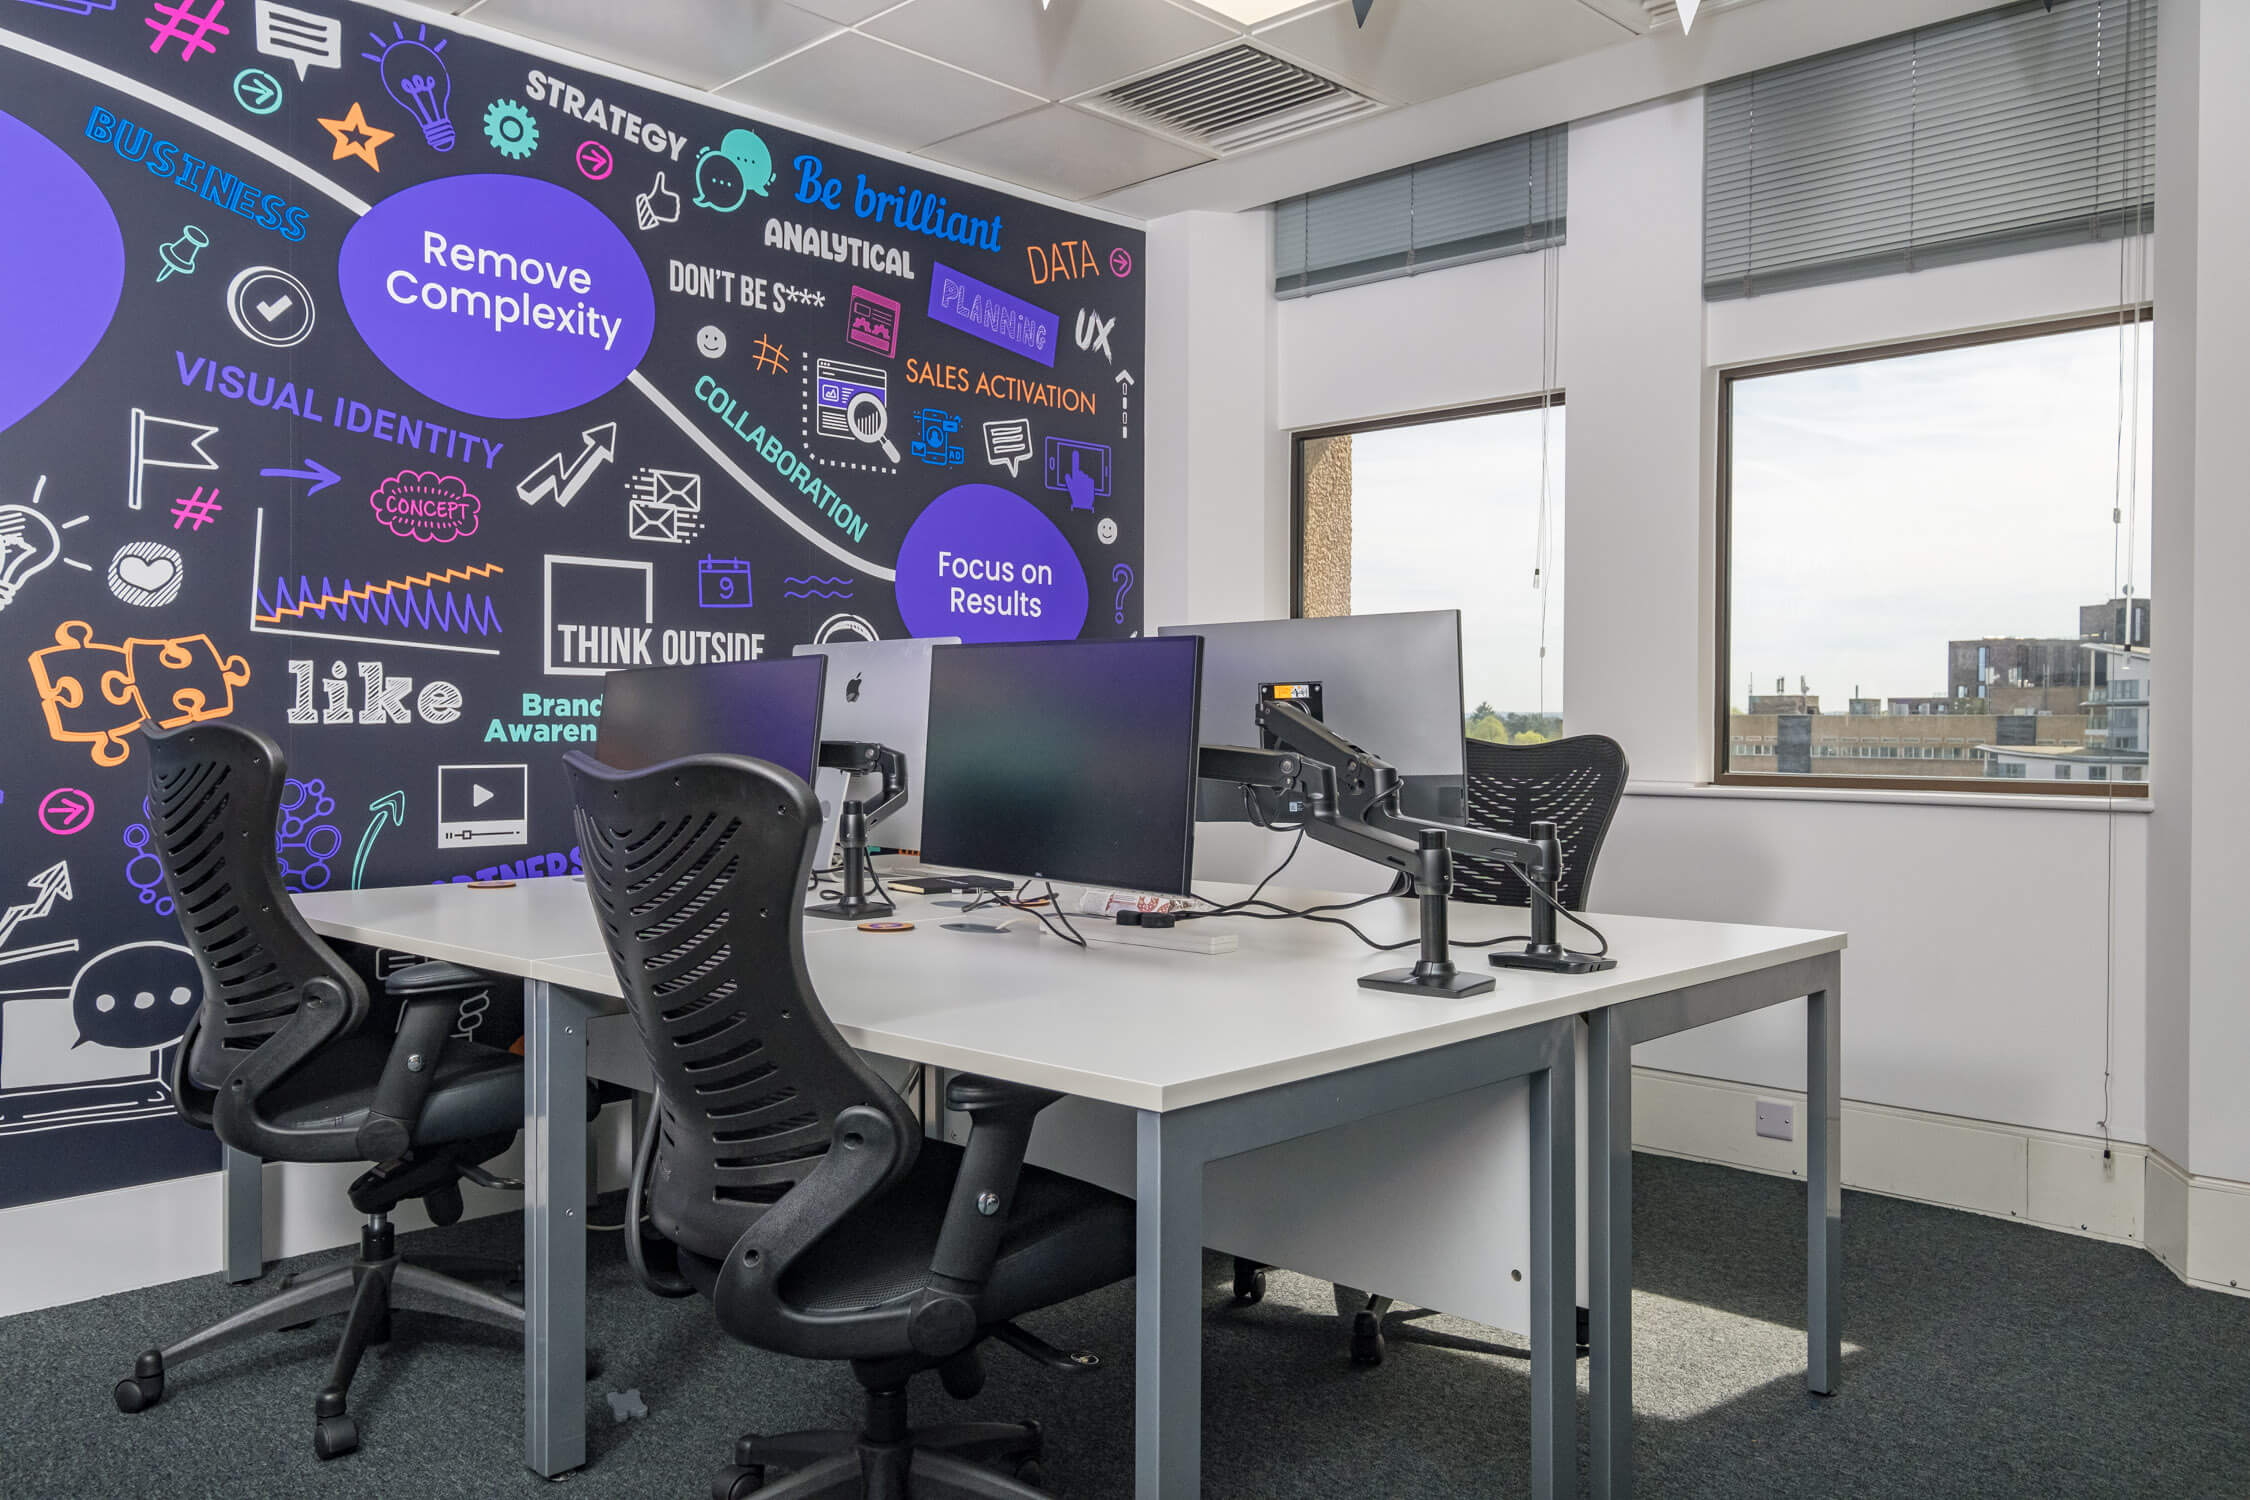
(1066, 932)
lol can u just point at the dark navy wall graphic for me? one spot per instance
(382, 385)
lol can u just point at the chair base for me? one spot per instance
(376, 1282)
(889, 1460)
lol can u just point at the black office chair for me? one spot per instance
(281, 1063)
(1574, 783)
(793, 1186)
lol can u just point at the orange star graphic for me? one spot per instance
(355, 137)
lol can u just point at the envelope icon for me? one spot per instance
(666, 506)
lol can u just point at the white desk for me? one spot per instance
(1216, 1055)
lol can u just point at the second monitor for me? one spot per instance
(1065, 760)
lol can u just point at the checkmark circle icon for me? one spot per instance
(270, 307)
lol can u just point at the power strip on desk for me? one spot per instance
(1188, 939)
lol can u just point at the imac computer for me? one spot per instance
(769, 710)
(1065, 760)
(879, 694)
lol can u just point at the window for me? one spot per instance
(1505, 198)
(1953, 539)
(1458, 510)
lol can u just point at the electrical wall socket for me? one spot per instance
(1777, 1119)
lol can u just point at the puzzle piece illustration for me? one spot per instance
(98, 695)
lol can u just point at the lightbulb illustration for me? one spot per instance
(28, 544)
(414, 74)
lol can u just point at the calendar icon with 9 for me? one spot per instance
(722, 583)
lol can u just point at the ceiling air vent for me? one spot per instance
(1232, 99)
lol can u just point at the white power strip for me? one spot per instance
(1187, 938)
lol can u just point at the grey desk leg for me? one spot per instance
(554, 1227)
(243, 1215)
(1824, 1188)
(1554, 1277)
(1609, 1259)
(1168, 1316)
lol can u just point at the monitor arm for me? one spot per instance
(1347, 798)
(854, 818)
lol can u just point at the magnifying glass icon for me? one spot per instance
(870, 421)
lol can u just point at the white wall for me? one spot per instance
(1984, 980)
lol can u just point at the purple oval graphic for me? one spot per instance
(986, 565)
(61, 269)
(498, 296)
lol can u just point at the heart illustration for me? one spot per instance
(149, 574)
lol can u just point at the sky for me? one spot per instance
(1445, 515)
(1885, 508)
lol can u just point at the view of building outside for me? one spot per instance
(1939, 563)
(1447, 515)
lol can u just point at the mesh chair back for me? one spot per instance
(215, 793)
(697, 869)
(1574, 783)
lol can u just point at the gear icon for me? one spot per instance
(510, 128)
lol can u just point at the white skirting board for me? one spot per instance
(2199, 1227)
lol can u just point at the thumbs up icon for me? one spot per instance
(659, 205)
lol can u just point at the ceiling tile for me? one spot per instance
(701, 43)
(1413, 50)
(1064, 151)
(1074, 46)
(870, 89)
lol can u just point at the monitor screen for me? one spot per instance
(1389, 683)
(766, 709)
(1068, 760)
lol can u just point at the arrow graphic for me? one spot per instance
(263, 93)
(52, 884)
(1124, 403)
(389, 812)
(562, 481)
(319, 473)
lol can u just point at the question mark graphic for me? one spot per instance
(1123, 574)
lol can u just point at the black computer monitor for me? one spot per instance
(1067, 760)
(766, 709)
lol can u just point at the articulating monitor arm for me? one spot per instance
(854, 818)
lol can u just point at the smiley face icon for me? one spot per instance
(725, 178)
(710, 341)
(1107, 530)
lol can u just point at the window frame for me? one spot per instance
(1300, 436)
(1723, 589)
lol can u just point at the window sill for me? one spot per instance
(2138, 806)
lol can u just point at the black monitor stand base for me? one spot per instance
(854, 905)
(1555, 961)
(1414, 982)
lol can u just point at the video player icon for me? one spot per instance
(480, 805)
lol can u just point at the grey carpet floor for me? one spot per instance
(1982, 1359)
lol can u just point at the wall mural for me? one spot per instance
(382, 385)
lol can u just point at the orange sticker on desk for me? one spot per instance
(886, 927)
(489, 885)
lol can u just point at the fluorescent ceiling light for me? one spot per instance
(1688, 8)
(1250, 12)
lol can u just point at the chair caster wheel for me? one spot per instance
(1367, 1339)
(738, 1482)
(1030, 1471)
(145, 1386)
(1249, 1283)
(333, 1437)
(136, 1394)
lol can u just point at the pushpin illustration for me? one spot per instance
(180, 254)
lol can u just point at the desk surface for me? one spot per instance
(1141, 1027)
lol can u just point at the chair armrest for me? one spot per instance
(1000, 1120)
(859, 1164)
(432, 994)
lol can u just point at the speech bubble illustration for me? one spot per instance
(426, 507)
(135, 995)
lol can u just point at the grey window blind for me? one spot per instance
(1500, 199)
(2012, 130)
